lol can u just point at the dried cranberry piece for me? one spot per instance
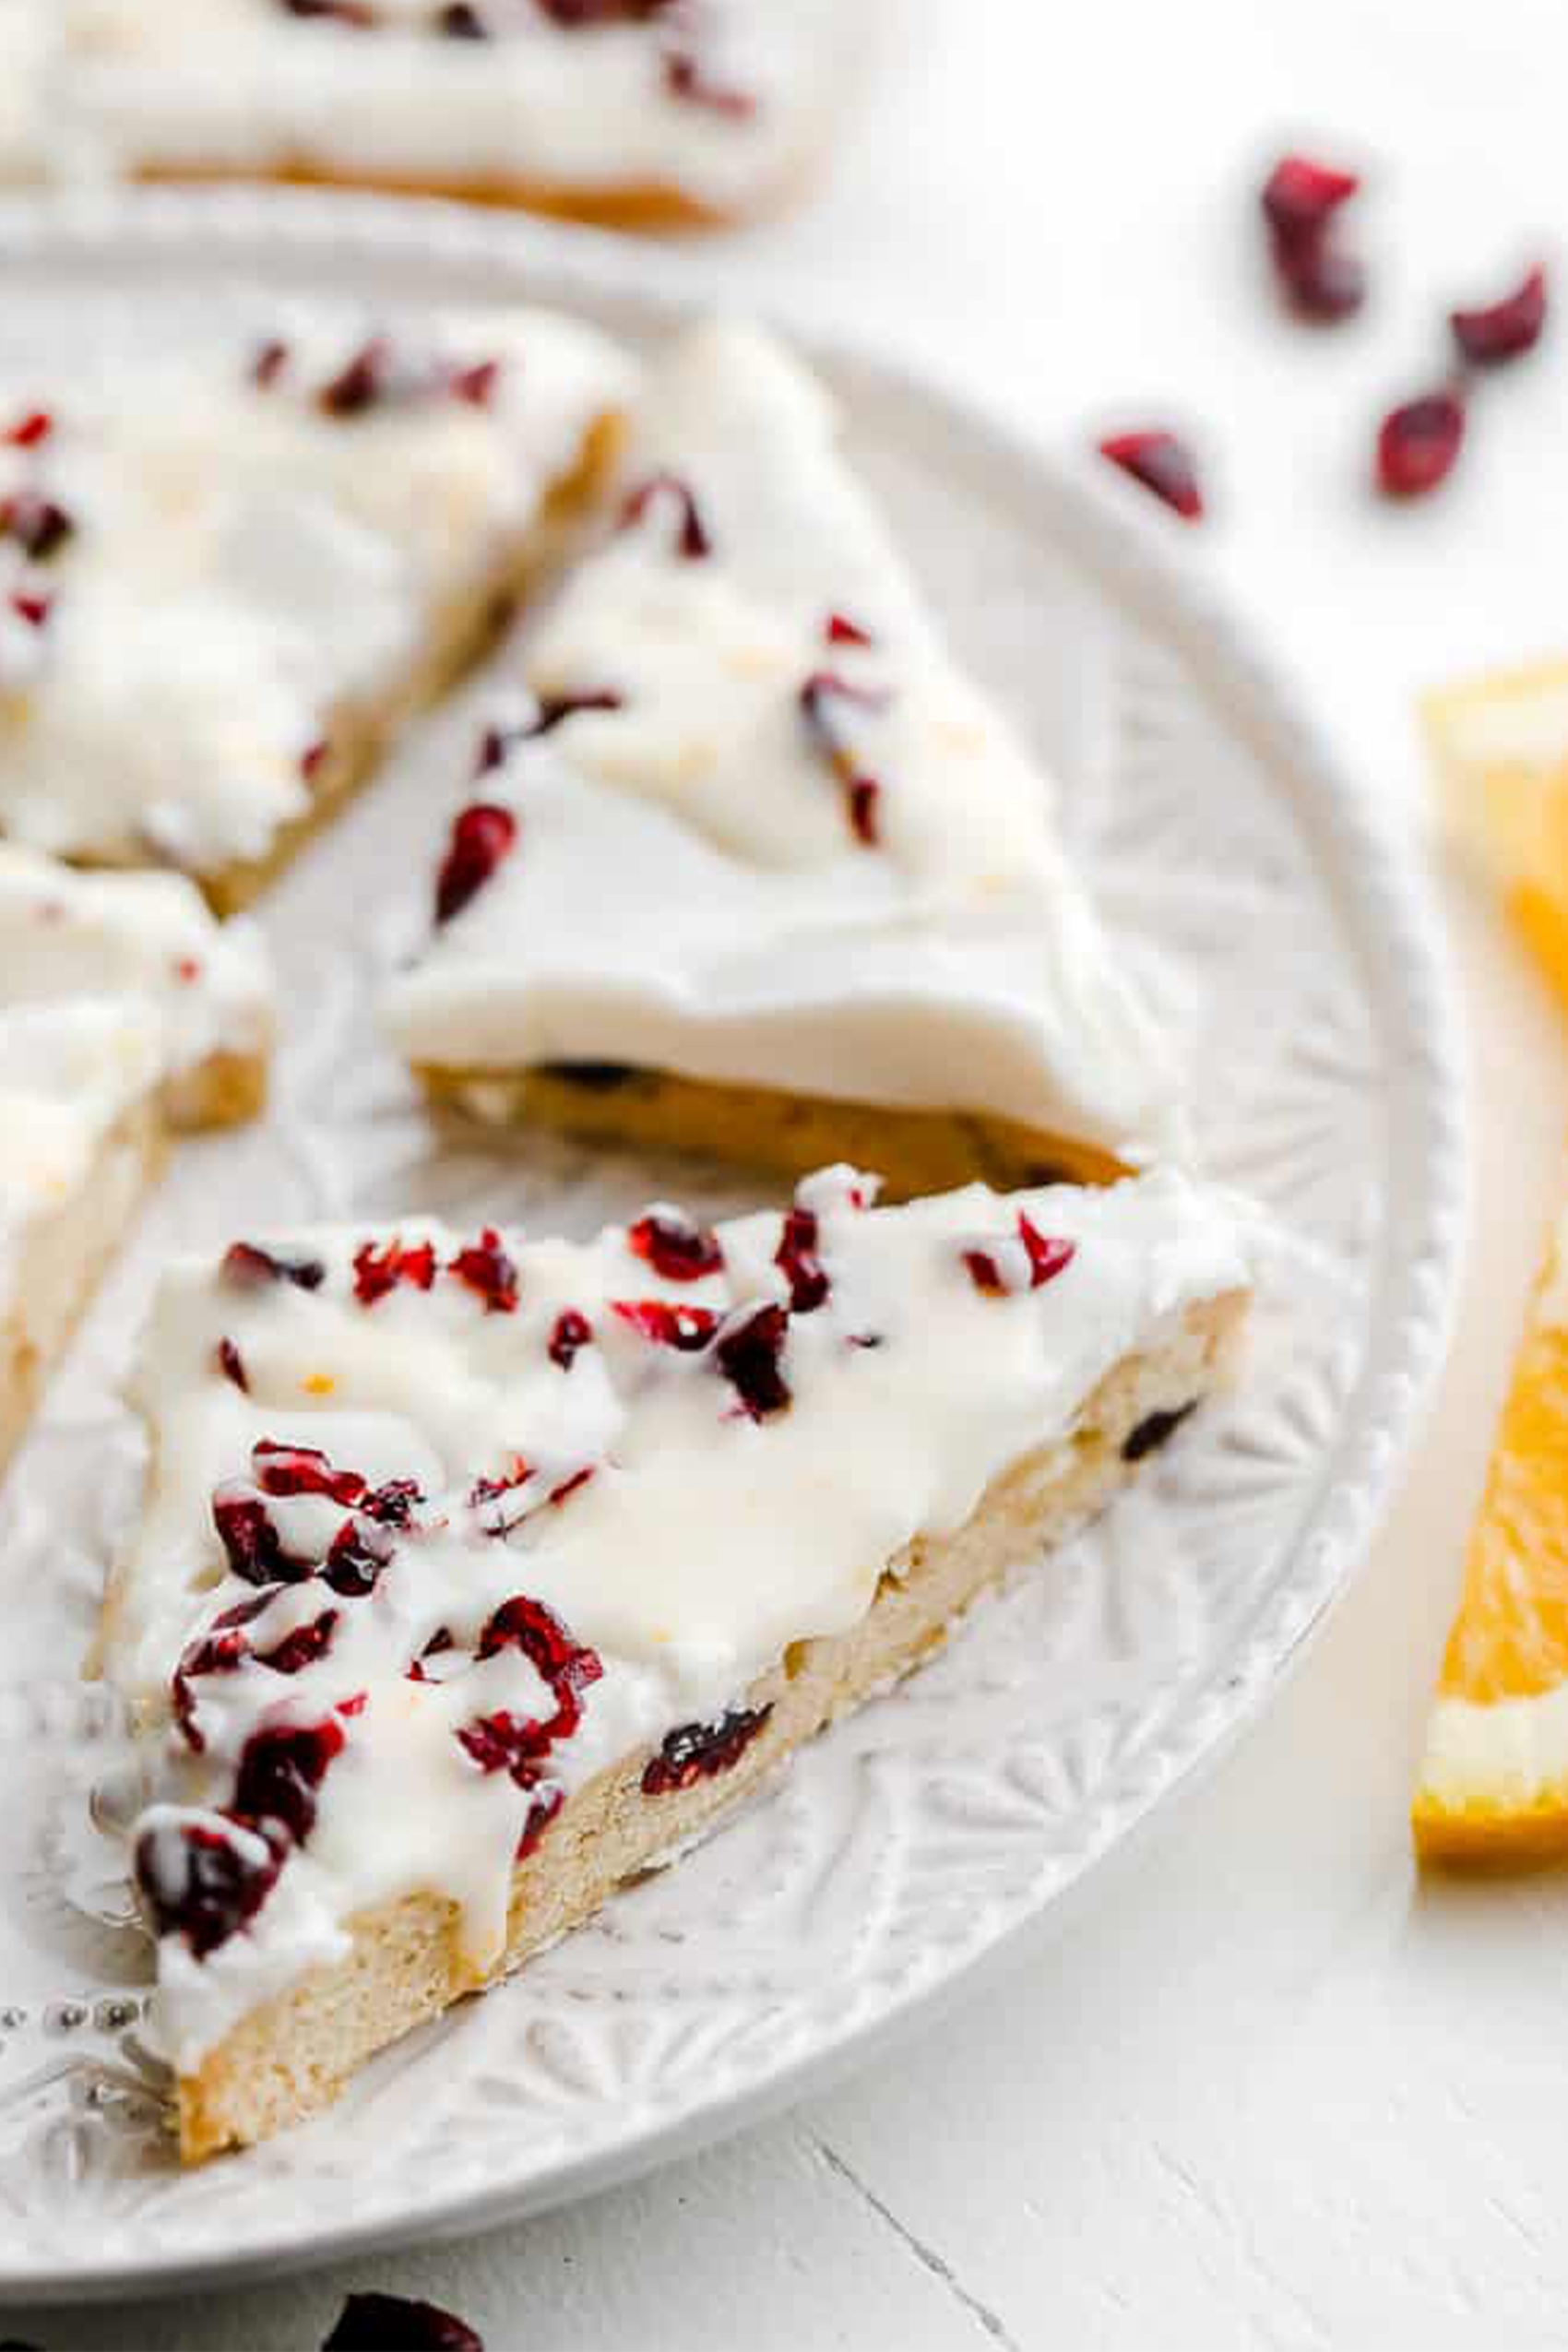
(268, 363)
(1418, 443)
(1321, 279)
(486, 1268)
(204, 1882)
(750, 1354)
(39, 525)
(378, 1271)
(459, 22)
(476, 385)
(540, 1813)
(482, 834)
(505, 1742)
(1162, 464)
(34, 610)
(685, 78)
(574, 13)
(569, 1335)
(355, 1559)
(361, 383)
(222, 1649)
(302, 1647)
(797, 1260)
(247, 1268)
(822, 689)
(1504, 329)
(676, 1247)
(388, 2324)
(280, 1771)
(392, 1504)
(669, 1326)
(1045, 1256)
(693, 542)
(36, 425)
(230, 1363)
(525, 1624)
(1300, 196)
(487, 1490)
(252, 1544)
(699, 1751)
(569, 1487)
(302, 1469)
(839, 629)
(496, 742)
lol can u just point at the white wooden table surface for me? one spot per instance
(1260, 2090)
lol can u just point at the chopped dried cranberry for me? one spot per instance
(363, 380)
(39, 525)
(698, 1751)
(36, 425)
(393, 1504)
(222, 1649)
(685, 78)
(567, 1666)
(1162, 464)
(204, 1882)
(312, 757)
(1154, 1430)
(356, 1557)
(749, 1354)
(268, 363)
(1300, 196)
(252, 1542)
(459, 22)
(302, 1469)
(797, 1260)
(33, 610)
(486, 1268)
(247, 1268)
(388, 2324)
(1504, 329)
(496, 742)
(482, 834)
(1418, 443)
(674, 1246)
(570, 1333)
(824, 688)
(280, 1770)
(540, 1813)
(378, 1271)
(840, 630)
(477, 383)
(302, 1647)
(669, 1325)
(230, 1363)
(1321, 279)
(569, 1487)
(484, 1491)
(693, 542)
(505, 1742)
(1047, 1257)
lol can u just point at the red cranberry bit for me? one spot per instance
(198, 1882)
(280, 1771)
(477, 383)
(362, 380)
(254, 1548)
(268, 364)
(840, 630)
(459, 22)
(486, 1268)
(378, 1271)
(1162, 464)
(692, 542)
(540, 1813)
(302, 1469)
(1418, 443)
(1321, 279)
(482, 834)
(312, 757)
(683, 77)
(569, 1335)
(38, 524)
(569, 1487)
(302, 1647)
(496, 742)
(797, 1260)
(699, 1751)
(574, 13)
(1049, 1256)
(505, 1742)
(230, 1363)
(749, 1354)
(1504, 329)
(486, 1491)
(823, 688)
(388, 2324)
(1301, 197)
(222, 1649)
(247, 1268)
(674, 1246)
(1299, 201)
(667, 1324)
(33, 610)
(567, 1666)
(30, 430)
(356, 1557)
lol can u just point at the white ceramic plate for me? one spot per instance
(1289, 941)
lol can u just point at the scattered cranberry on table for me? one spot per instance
(1504, 329)
(1301, 202)
(1418, 442)
(389, 2324)
(1162, 464)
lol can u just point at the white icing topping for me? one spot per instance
(718, 99)
(238, 562)
(722, 1516)
(851, 886)
(109, 984)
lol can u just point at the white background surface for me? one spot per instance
(1259, 2090)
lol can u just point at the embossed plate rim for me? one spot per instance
(1135, 558)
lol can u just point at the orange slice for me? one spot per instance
(1500, 749)
(1493, 1784)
